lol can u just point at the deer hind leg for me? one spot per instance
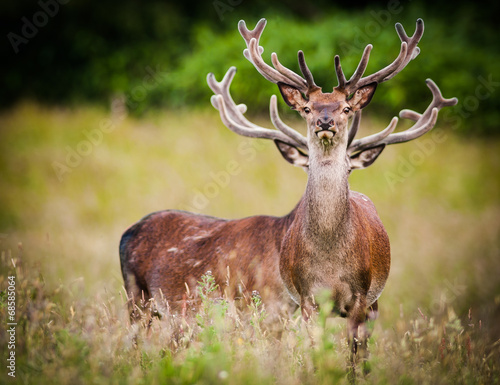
(159, 306)
(137, 299)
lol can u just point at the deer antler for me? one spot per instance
(423, 123)
(278, 74)
(408, 52)
(232, 115)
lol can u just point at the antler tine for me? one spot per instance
(382, 75)
(353, 130)
(340, 74)
(253, 34)
(306, 72)
(438, 101)
(253, 53)
(426, 121)
(280, 125)
(363, 63)
(374, 139)
(423, 123)
(437, 97)
(222, 88)
(251, 131)
(408, 52)
(268, 72)
(288, 73)
(232, 114)
(414, 40)
(410, 115)
(421, 127)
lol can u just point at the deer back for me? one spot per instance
(166, 253)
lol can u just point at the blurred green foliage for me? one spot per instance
(91, 51)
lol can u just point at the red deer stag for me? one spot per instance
(333, 239)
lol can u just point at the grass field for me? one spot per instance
(73, 180)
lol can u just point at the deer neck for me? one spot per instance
(326, 200)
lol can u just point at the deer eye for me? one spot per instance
(307, 110)
(346, 110)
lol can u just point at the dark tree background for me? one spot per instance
(76, 51)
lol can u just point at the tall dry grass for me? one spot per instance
(439, 312)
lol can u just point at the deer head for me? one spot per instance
(327, 114)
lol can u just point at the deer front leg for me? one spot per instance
(356, 328)
(307, 307)
(371, 316)
(372, 313)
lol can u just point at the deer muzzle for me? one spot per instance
(324, 129)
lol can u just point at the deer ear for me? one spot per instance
(362, 96)
(365, 158)
(291, 95)
(293, 155)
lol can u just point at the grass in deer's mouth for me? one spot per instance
(325, 134)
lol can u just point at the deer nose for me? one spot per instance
(325, 125)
